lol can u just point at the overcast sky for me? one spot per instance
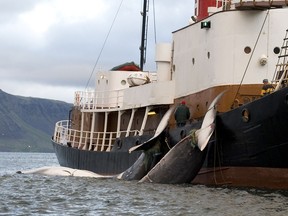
(48, 48)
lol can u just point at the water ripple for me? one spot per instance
(48, 195)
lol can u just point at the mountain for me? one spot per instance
(27, 124)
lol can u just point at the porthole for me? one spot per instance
(208, 55)
(193, 61)
(247, 49)
(123, 82)
(245, 115)
(276, 50)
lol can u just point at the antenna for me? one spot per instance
(144, 34)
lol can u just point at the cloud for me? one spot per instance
(48, 45)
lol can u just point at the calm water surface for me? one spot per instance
(53, 195)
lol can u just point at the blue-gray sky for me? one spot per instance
(48, 48)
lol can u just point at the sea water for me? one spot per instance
(31, 194)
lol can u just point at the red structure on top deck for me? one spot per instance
(203, 7)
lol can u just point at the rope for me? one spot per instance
(221, 179)
(102, 48)
(166, 142)
(154, 20)
(251, 54)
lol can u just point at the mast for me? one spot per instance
(144, 34)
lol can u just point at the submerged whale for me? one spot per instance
(62, 171)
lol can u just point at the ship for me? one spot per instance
(228, 48)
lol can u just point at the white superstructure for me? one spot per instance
(220, 55)
(238, 47)
(228, 48)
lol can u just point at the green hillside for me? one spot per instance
(27, 124)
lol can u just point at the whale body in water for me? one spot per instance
(63, 171)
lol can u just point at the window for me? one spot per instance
(247, 49)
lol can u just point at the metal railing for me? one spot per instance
(262, 2)
(85, 140)
(99, 99)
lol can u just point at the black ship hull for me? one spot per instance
(250, 145)
(105, 163)
(249, 148)
(254, 134)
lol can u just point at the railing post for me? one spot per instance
(119, 122)
(144, 120)
(110, 141)
(81, 129)
(74, 137)
(105, 131)
(130, 122)
(91, 132)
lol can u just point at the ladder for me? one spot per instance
(281, 70)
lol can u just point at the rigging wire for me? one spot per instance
(154, 20)
(257, 40)
(102, 48)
